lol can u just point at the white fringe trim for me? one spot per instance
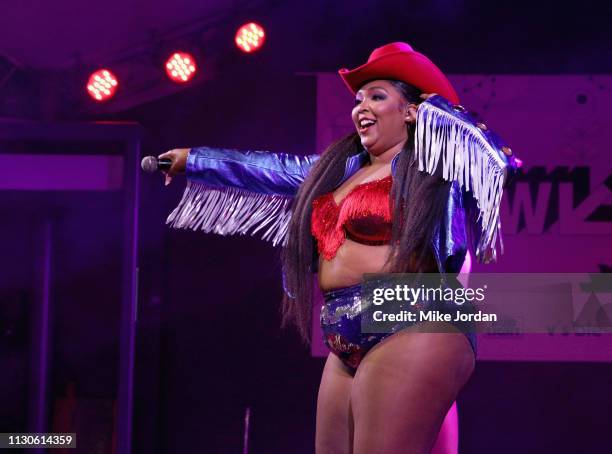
(231, 211)
(468, 159)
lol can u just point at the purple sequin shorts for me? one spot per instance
(341, 325)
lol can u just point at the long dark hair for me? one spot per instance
(418, 201)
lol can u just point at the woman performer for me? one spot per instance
(403, 193)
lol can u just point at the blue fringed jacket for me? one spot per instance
(240, 192)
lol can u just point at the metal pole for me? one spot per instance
(41, 337)
(129, 306)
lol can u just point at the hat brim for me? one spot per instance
(410, 67)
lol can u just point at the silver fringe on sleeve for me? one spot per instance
(469, 159)
(231, 211)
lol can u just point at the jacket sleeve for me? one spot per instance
(262, 172)
(240, 192)
(479, 164)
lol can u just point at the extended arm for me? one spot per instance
(262, 172)
(239, 192)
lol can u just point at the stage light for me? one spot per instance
(250, 37)
(102, 85)
(181, 67)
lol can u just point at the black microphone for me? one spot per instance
(151, 164)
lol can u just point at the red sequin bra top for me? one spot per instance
(364, 216)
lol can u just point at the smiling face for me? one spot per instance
(380, 116)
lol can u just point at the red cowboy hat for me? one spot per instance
(398, 61)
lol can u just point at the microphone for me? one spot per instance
(150, 164)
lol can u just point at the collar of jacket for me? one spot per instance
(357, 161)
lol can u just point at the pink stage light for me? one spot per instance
(181, 67)
(250, 37)
(102, 85)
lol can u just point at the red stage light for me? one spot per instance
(102, 85)
(250, 37)
(181, 67)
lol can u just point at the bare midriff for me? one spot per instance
(350, 263)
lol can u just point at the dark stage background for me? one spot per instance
(208, 339)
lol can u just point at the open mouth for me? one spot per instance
(365, 124)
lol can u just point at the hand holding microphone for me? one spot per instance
(171, 163)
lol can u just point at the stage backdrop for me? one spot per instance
(559, 215)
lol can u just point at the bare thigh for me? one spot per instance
(404, 388)
(335, 420)
(334, 433)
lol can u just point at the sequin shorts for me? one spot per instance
(341, 325)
